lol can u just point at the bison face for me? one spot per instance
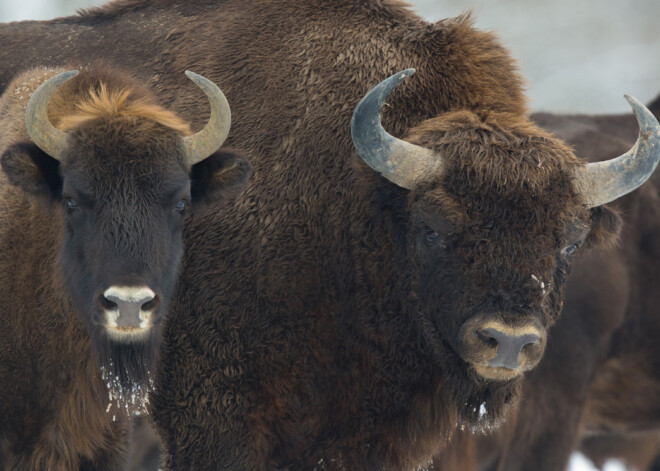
(124, 202)
(124, 184)
(497, 209)
(492, 240)
(491, 252)
(491, 259)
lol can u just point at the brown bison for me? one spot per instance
(600, 376)
(98, 180)
(337, 317)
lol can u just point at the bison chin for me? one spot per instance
(481, 401)
(485, 403)
(126, 370)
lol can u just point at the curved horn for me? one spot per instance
(602, 182)
(201, 145)
(401, 162)
(46, 136)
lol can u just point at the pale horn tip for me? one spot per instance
(407, 73)
(645, 118)
(69, 74)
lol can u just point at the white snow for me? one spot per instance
(482, 410)
(579, 462)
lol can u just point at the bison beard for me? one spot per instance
(127, 368)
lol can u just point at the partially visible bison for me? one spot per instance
(343, 315)
(600, 377)
(98, 182)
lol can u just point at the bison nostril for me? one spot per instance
(129, 307)
(150, 305)
(530, 340)
(107, 304)
(510, 347)
(501, 351)
(487, 337)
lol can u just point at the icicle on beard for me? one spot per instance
(127, 371)
(485, 405)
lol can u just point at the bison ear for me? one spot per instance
(606, 224)
(218, 177)
(32, 170)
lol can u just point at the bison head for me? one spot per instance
(495, 209)
(125, 174)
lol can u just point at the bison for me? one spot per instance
(98, 182)
(333, 316)
(599, 377)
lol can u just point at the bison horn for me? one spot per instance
(201, 145)
(401, 162)
(46, 136)
(602, 182)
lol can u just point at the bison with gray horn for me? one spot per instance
(99, 181)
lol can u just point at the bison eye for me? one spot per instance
(431, 236)
(71, 204)
(181, 206)
(569, 250)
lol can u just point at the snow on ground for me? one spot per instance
(581, 463)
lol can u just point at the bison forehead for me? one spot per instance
(124, 145)
(499, 213)
(508, 154)
(504, 178)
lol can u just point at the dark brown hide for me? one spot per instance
(314, 330)
(600, 377)
(654, 106)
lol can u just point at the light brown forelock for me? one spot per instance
(103, 103)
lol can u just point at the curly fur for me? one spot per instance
(313, 327)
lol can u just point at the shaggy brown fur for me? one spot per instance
(315, 327)
(59, 373)
(600, 377)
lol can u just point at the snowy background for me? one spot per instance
(578, 55)
(580, 463)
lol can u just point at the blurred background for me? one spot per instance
(577, 55)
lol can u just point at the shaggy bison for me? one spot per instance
(600, 376)
(343, 315)
(98, 180)
(598, 380)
